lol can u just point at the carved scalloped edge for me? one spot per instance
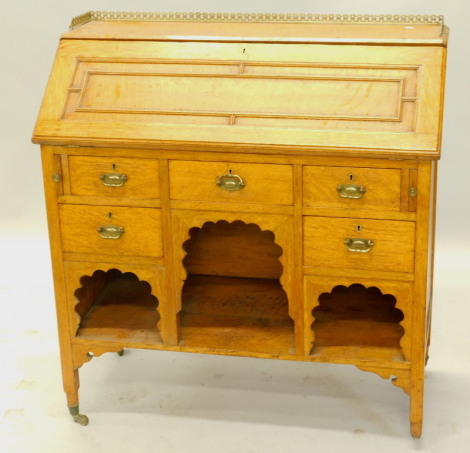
(399, 377)
(77, 300)
(404, 337)
(83, 353)
(259, 17)
(282, 278)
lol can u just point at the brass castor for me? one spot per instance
(81, 419)
(121, 352)
(77, 417)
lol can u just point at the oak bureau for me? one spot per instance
(252, 185)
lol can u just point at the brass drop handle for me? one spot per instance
(113, 179)
(359, 245)
(230, 182)
(351, 191)
(111, 231)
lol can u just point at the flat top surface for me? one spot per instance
(380, 33)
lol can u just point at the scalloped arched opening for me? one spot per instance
(232, 298)
(359, 318)
(113, 305)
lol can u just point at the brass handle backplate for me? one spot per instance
(358, 245)
(230, 182)
(110, 231)
(351, 191)
(113, 179)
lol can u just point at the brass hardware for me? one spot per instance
(410, 19)
(412, 192)
(230, 182)
(110, 231)
(113, 179)
(358, 245)
(351, 191)
(56, 177)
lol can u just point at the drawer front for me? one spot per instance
(114, 177)
(141, 234)
(231, 182)
(352, 188)
(392, 249)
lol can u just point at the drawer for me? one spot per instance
(114, 177)
(231, 182)
(355, 188)
(141, 230)
(392, 249)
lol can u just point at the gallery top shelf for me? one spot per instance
(282, 28)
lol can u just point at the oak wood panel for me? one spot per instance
(382, 187)
(360, 213)
(270, 184)
(258, 208)
(308, 95)
(423, 138)
(421, 295)
(142, 177)
(142, 230)
(238, 153)
(109, 201)
(82, 344)
(393, 248)
(123, 259)
(358, 273)
(70, 378)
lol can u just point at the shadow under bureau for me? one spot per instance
(261, 186)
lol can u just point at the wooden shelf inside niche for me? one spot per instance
(357, 322)
(124, 311)
(236, 314)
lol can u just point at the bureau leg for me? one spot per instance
(416, 405)
(71, 386)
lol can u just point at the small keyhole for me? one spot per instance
(114, 166)
(358, 228)
(351, 176)
(110, 215)
(244, 50)
(230, 172)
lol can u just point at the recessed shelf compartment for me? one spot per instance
(358, 322)
(237, 314)
(116, 306)
(232, 298)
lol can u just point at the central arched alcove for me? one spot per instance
(232, 298)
